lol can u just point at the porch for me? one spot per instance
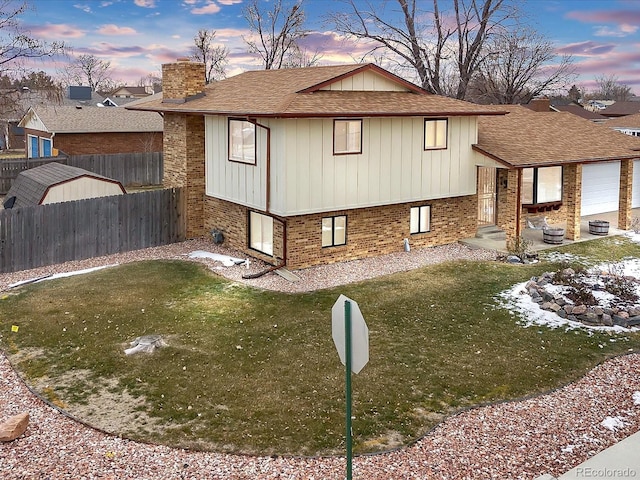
(496, 241)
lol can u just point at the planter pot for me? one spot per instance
(554, 236)
(598, 227)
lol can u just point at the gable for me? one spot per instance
(365, 81)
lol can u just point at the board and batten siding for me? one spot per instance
(306, 177)
(366, 81)
(234, 181)
(81, 188)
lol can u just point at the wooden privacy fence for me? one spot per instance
(43, 235)
(130, 169)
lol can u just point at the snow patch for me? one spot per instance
(60, 275)
(613, 423)
(226, 260)
(636, 398)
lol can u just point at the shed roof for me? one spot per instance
(619, 109)
(71, 119)
(579, 111)
(31, 186)
(297, 92)
(628, 121)
(524, 138)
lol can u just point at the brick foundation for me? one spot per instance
(371, 231)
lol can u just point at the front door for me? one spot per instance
(487, 196)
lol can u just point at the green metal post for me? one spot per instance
(347, 348)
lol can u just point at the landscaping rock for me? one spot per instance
(634, 321)
(13, 427)
(579, 310)
(620, 321)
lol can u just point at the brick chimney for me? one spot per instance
(542, 104)
(183, 140)
(182, 80)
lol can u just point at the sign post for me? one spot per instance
(351, 337)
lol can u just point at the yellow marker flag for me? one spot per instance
(14, 328)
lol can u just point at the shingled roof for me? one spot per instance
(297, 92)
(71, 119)
(31, 186)
(628, 121)
(524, 138)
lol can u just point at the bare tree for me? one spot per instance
(153, 82)
(610, 88)
(89, 70)
(275, 33)
(517, 68)
(18, 50)
(213, 56)
(443, 54)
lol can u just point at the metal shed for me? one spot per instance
(55, 182)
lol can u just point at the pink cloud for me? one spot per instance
(56, 31)
(606, 16)
(145, 3)
(587, 48)
(112, 29)
(209, 8)
(229, 2)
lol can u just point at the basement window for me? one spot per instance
(334, 231)
(420, 219)
(261, 233)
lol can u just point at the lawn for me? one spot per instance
(256, 372)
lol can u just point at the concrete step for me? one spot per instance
(491, 232)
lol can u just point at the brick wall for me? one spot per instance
(507, 204)
(106, 143)
(184, 165)
(371, 231)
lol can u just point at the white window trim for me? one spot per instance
(347, 150)
(439, 123)
(261, 244)
(246, 159)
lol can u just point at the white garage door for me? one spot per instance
(635, 200)
(600, 187)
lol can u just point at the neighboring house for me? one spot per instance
(325, 164)
(131, 92)
(620, 109)
(55, 182)
(77, 130)
(560, 166)
(629, 124)
(580, 112)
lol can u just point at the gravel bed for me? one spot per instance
(310, 278)
(550, 433)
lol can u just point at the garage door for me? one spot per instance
(600, 187)
(636, 184)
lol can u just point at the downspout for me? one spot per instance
(268, 204)
(518, 203)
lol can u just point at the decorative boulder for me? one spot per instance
(13, 427)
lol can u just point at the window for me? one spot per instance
(33, 146)
(261, 233)
(420, 219)
(45, 147)
(347, 136)
(334, 231)
(242, 141)
(435, 133)
(541, 185)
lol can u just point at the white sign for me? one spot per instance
(359, 334)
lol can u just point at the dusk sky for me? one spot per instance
(137, 36)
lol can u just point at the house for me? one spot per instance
(132, 92)
(629, 124)
(325, 164)
(322, 164)
(55, 182)
(620, 109)
(560, 166)
(78, 130)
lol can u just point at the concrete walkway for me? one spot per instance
(534, 236)
(621, 461)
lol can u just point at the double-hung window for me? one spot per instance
(541, 185)
(420, 219)
(334, 231)
(435, 133)
(242, 141)
(347, 137)
(261, 232)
